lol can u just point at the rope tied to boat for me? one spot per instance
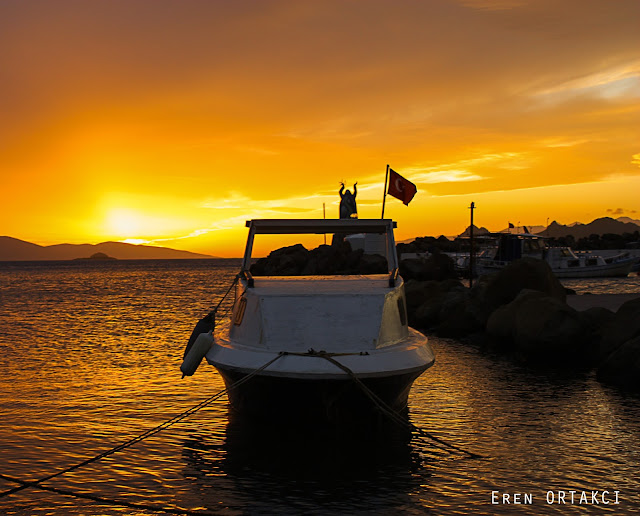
(208, 323)
(379, 403)
(108, 501)
(233, 284)
(146, 434)
(213, 312)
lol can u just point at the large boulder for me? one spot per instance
(622, 366)
(459, 316)
(286, 261)
(417, 292)
(622, 327)
(501, 325)
(551, 332)
(494, 290)
(436, 267)
(425, 300)
(331, 259)
(463, 314)
(542, 329)
(445, 307)
(598, 319)
(372, 264)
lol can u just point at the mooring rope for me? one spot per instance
(381, 405)
(235, 280)
(36, 483)
(109, 501)
(146, 434)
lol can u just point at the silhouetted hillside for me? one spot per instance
(597, 227)
(13, 249)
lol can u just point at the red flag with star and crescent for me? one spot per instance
(400, 187)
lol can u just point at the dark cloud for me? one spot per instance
(620, 211)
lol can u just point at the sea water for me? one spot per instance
(90, 355)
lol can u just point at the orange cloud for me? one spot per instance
(196, 116)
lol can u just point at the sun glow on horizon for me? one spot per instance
(136, 241)
(124, 223)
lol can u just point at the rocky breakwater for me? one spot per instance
(337, 259)
(522, 310)
(618, 350)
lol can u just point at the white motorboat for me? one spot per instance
(564, 262)
(320, 335)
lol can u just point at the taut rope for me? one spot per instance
(380, 404)
(146, 434)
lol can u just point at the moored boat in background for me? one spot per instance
(564, 262)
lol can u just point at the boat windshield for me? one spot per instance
(532, 245)
(347, 239)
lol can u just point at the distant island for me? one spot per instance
(13, 249)
(98, 256)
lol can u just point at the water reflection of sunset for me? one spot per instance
(192, 118)
(91, 355)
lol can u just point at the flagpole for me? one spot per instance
(384, 197)
(324, 216)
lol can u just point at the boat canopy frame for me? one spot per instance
(320, 227)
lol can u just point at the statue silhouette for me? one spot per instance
(348, 208)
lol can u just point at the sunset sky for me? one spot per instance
(172, 122)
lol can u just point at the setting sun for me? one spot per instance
(124, 223)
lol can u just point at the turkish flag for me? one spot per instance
(400, 187)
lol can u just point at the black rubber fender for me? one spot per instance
(204, 325)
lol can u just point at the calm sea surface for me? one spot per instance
(89, 355)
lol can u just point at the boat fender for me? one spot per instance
(204, 325)
(200, 348)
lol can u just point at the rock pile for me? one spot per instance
(542, 328)
(618, 351)
(340, 259)
(522, 310)
(437, 266)
(337, 259)
(456, 311)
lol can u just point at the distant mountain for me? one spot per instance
(476, 231)
(520, 229)
(629, 219)
(12, 249)
(598, 227)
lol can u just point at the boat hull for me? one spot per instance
(320, 385)
(605, 271)
(621, 269)
(341, 402)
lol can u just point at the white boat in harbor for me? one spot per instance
(321, 334)
(564, 262)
